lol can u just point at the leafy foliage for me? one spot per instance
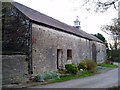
(72, 68)
(47, 76)
(89, 65)
(114, 55)
(82, 65)
(100, 36)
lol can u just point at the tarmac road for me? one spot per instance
(104, 80)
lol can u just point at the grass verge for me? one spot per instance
(71, 77)
(83, 74)
(108, 65)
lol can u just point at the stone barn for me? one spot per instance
(50, 45)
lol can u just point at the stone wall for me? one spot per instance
(46, 42)
(101, 52)
(14, 69)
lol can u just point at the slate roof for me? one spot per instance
(38, 17)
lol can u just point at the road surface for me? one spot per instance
(104, 80)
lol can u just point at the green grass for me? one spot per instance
(71, 77)
(108, 65)
(82, 75)
(114, 88)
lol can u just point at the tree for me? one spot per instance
(103, 5)
(96, 5)
(100, 36)
(114, 31)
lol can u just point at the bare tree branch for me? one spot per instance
(113, 29)
(101, 6)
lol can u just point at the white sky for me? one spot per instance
(67, 10)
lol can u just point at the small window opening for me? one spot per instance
(69, 54)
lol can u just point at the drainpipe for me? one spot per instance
(30, 66)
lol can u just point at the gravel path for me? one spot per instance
(104, 80)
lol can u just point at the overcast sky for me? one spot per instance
(67, 10)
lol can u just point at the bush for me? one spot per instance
(113, 55)
(62, 71)
(82, 66)
(89, 65)
(47, 76)
(71, 68)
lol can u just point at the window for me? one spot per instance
(69, 54)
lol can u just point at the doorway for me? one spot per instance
(59, 59)
(94, 53)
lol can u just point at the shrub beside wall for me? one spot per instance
(47, 76)
(71, 68)
(88, 64)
